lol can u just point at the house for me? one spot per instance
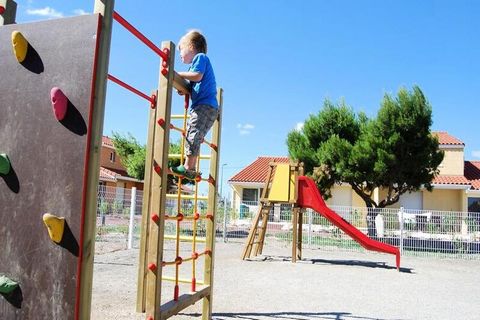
(113, 174)
(456, 188)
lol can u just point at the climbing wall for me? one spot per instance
(48, 153)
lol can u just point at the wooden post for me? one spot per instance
(93, 161)
(9, 12)
(159, 185)
(299, 234)
(212, 208)
(146, 212)
(294, 233)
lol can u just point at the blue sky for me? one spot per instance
(278, 60)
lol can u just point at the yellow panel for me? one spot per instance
(283, 185)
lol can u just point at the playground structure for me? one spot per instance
(50, 133)
(285, 183)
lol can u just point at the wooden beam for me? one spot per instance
(159, 187)
(146, 213)
(93, 161)
(212, 207)
(9, 15)
(294, 233)
(180, 83)
(185, 300)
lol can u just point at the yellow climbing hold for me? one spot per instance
(55, 226)
(20, 46)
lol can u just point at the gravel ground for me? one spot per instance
(325, 285)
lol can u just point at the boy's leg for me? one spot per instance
(190, 162)
(201, 120)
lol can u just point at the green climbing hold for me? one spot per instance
(7, 285)
(4, 164)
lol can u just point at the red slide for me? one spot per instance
(309, 197)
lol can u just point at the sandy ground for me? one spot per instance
(325, 285)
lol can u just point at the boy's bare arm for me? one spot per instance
(191, 76)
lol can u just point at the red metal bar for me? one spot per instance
(139, 35)
(129, 87)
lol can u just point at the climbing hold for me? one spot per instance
(20, 46)
(7, 285)
(59, 103)
(55, 226)
(5, 165)
(152, 267)
(2, 9)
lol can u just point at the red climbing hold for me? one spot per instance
(152, 267)
(59, 103)
(155, 217)
(2, 9)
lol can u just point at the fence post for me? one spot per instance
(133, 204)
(310, 221)
(401, 231)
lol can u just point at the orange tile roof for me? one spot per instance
(257, 171)
(107, 141)
(446, 139)
(456, 180)
(107, 175)
(472, 173)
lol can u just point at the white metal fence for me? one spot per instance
(416, 232)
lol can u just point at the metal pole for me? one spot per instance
(310, 221)
(225, 219)
(133, 204)
(401, 231)
(224, 206)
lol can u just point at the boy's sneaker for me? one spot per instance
(186, 173)
(179, 171)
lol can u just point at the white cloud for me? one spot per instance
(476, 153)
(299, 126)
(245, 129)
(45, 12)
(80, 12)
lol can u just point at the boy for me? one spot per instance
(204, 106)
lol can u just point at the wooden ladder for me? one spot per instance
(256, 236)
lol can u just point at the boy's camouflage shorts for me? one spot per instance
(200, 122)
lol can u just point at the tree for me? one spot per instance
(394, 152)
(133, 155)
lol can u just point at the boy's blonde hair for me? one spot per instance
(196, 39)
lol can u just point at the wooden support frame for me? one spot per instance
(212, 207)
(96, 128)
(9, 16)
(159, 184)
(146, 212)
(257, 232)
(150, 282)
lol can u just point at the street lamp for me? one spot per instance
(221, 181)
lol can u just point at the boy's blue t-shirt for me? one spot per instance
(205, 91)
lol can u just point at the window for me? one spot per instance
(250, 195)
(112, 156)
(473, 204)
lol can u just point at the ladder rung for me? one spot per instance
(182, 280)
(178, 156)
(186, 238)
(185, 196)
(179, 116)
